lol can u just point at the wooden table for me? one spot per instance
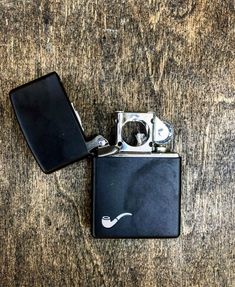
(173, 57)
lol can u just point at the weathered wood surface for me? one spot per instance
(174, 57)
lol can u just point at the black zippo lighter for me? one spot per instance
(136, 182)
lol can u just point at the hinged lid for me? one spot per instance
(49, 123)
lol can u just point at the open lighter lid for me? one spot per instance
(49, 123)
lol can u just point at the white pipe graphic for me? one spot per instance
(107, 223)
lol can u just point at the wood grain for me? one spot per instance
(174, 57)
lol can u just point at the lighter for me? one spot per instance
(136, 182)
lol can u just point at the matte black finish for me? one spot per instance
(148, 187)
(49, 123)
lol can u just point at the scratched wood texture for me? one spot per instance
(174, 57)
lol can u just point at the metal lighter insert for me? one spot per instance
(136, 181)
